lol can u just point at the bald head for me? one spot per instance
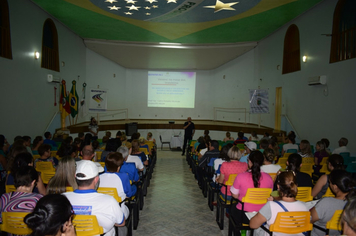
(88, 152)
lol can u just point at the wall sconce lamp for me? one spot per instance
(305, 58)
(37, 55)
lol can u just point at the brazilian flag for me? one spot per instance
(73, 100)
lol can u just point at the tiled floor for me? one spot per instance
(174, 204)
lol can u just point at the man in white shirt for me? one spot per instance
(342, 146)
(87, 201)
(134, 159)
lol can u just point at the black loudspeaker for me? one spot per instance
(130, 128)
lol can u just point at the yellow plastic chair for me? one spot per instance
(98, 156)
(87, 225)
(324, 169)
(292, 223)
(44, 166)
(36, 157)
(282, 161)
(10, 188)
(324, 161)
(69, 189)
(308, 160)
(47, 175)
(53, 153)
(150, 144)
(273, 176)
(286, 155)
(144, 150)
(102, 164)
(304, 194)
(110, 191)
(329, 193)
(307, 168)
(334, 223)
(12, 222)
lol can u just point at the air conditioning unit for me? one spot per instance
(53, 79)
(317, 80)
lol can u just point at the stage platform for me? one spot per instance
(178, 124)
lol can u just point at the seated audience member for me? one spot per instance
(201, 149)
(135, 151)
(348, 217)
(265, 136)
(14, 151)
(228, 137)
(253, 178)
(274, 146)
(221, 159)
(36, 144)
(293, 164)
(64, 177)
(133, 137)
(104, 140)
(305, 149)
(27, 143)
(45, 155)
(21, 200)
(253, 136)
(268, 166)
(341, 184)
(143, 145)
(3, 161)
(327, 143)
(335, 162)
(23, 160)
(232, 166)
(197, 143)
(86, 200)
(290, 145)
(78, 143)
(342, 146)
(240, 138)
(285, 139)
(48, 140)
(108, 134)
(81, 135)
(134, 159)
(150, 137)
(213, 152)
(64, 146)
(95, 144)
(111, 178)
(4, 145)
(123, 140)
(51, 216)
(111, 146)
(319, 155)
(87, 140)
(263, 145)
(127, 167)
(287, 189)
(249, 147)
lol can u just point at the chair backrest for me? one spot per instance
(69, 189)
(307, 168)
(231, 180)
(144, 150)
(47, 175)
(110, 191)
(160, 138)
(53, 153)
(273, 176)
(211, 162)
(102, 163)
(36, 157)
(324, 169)
(292, 151)
(351, 167)
(98, 156)
(334, 223)
(286, 155)
(150, 144)
(324, 161)
(12, 222)
(241, 146)
(87, 225)
(308, 160)
(304, 194)
(44, 166)
(257, 195)
(10, 188)
(329, 193)
(282, 160)
(292, 222)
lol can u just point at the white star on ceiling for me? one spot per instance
(147, 8)
(111, 1)
(151, 1)
(133, 8)
(147, 13)
(128, 13)
(114, 8)
(168, 1)
(130, 1)
(222, 6)
(155, 6)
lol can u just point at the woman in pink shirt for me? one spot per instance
(253, 178)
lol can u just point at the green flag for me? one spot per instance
(73, 99)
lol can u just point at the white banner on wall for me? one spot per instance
(98, 100)
(259, 101)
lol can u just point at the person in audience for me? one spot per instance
(21, 160)
(87, 200)
(221, 159)
(87, 140)
(22, 200)
(81, 135)
(4, 145)
(240, 138)
(348, 217)
(14, 151)
(134, 159)
(228, 137)
(268, 166)
(319, 155)
(111, 146)
(123, 139)
(127, 167)
(36, 144)
(290, 145)
(265, 136)
(78, 143)
(231, 166)
(285, 139)
(342, 146)
(189, 130)
(254, 178)
(143, 145)
(287, 189)
(150, 137)
(294, 163)
(263, 145)
(51, 216)
(48, 140)
(64, 147)
(133, 137)
(305, 149)
(335, 161)
(108, 133)
(111, 178)
(64, 177)
(88, 153)
(249, 147)
(136, 152)
(253, 136)
(341, 184)
(95, 144)
(201, 146)
(93, 128)
(211, 153)
(45, 155)
(274, 146)
(27, 143)
(327, 143)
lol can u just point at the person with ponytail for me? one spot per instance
(253, 178)
(287, 189)
(341, 184)
(335, 161)
(348, 217)
(51, 216)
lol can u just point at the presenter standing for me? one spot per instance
(189, 130)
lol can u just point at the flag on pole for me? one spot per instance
(73, 98)
(64, 103)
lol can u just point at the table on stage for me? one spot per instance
(177, 141)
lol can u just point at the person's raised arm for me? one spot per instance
(319, 185)
(257, 221)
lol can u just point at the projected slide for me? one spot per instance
(171, 89)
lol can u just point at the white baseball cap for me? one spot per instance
(89, 169)
(251, 145)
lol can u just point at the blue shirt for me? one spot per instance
(52, 143)
(131, 170)
(244, 158)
